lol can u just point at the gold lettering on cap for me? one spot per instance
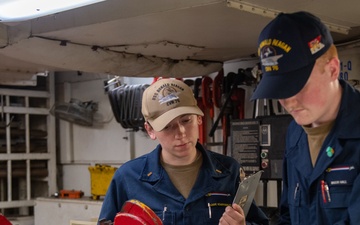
(281, 44)
(271, 68)
(275, 43)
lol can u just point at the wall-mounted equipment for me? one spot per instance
(259, 144)
(76, 111)
(125, 102)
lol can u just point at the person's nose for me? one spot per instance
(180, 130)
(287, 102)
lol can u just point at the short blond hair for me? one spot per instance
(329, 54)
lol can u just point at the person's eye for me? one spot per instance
(187, 120)
(168, 127)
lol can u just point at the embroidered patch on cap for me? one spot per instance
(168, 95)
(269, 55)
(316, 45)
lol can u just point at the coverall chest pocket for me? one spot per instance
(337, 194)
(201, 216)
(294, 201)
(167, 217)
(215, 206)
(340, 180)
(294, 195)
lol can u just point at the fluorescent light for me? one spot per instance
(272, 13)
(20, 10)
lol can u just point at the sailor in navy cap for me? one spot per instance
(321, 164)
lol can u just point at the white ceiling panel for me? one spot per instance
(175, 38)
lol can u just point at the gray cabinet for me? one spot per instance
(84, 211)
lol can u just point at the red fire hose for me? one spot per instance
(206, 90)
(135, 212)
(198, 97)
(3, 220)
(217, 89)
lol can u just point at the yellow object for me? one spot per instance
(101, 176)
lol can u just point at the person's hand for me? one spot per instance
(233, 216)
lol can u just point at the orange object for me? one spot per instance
(71, 194)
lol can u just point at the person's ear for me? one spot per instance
(150, 130)
(199, 120)
(334, 65)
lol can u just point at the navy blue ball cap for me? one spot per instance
(288, 48)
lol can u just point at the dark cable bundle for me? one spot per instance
(125, 102)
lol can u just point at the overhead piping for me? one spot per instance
(272, 13)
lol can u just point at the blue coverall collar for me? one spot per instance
(153, 172)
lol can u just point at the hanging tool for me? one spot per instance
(206, 93)
(206, 90)
(198, 97)
(217, 89)
(230, 84)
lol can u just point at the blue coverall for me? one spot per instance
(329, 192)
(144, 179)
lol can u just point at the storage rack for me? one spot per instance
(27, 150)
